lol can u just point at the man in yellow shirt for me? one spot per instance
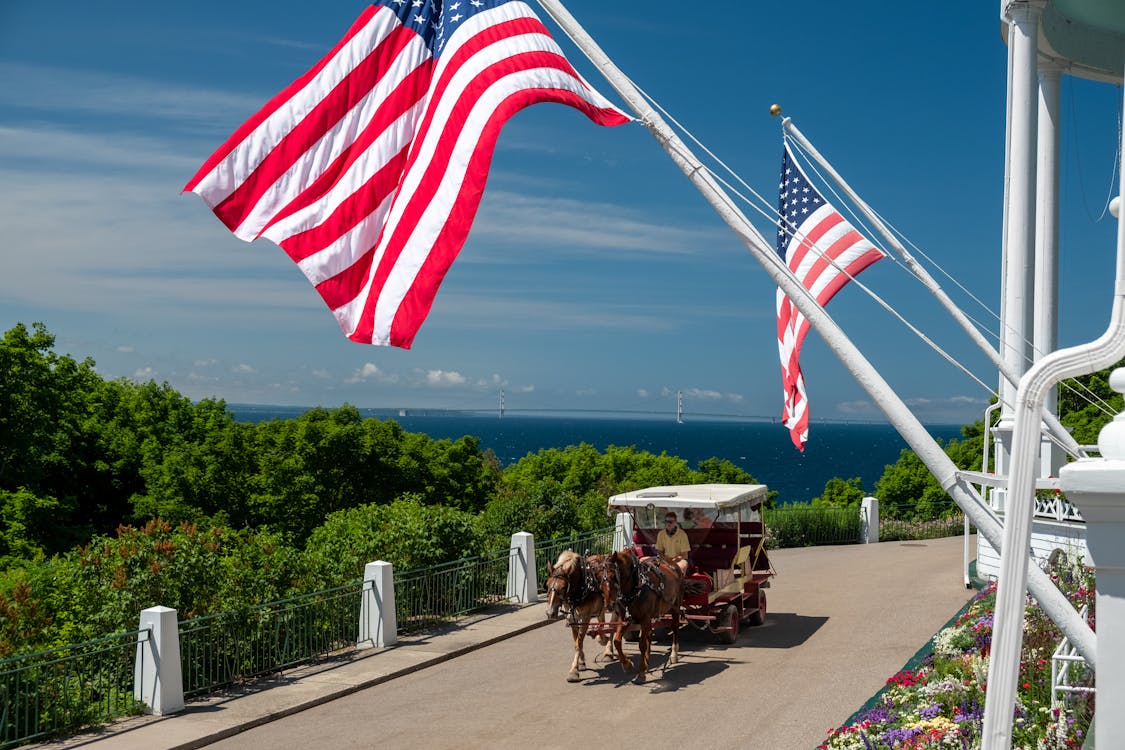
(672, 542)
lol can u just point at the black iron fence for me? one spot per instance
(60, 691)
(220, 649)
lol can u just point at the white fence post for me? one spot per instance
(522, 584)
(157, 675)
(623, 532)
(1096, 486)
(869, 511)
(378, 623)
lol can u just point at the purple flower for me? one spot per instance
(883, 713)
(891, 736)
(930, 712)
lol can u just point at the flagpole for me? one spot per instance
(940, 465)
(1065, 439)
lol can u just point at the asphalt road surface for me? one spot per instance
(841, 621)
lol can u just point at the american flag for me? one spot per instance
(368, 170)
(824, 251)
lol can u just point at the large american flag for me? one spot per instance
(824, 251)
(368, 170)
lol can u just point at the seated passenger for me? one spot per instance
(672, 542)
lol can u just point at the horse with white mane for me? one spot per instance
(574, 591)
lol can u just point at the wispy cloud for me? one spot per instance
(71, 91)
(576, 226)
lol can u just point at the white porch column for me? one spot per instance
(1019, 212)
(1045, 331)
(157, 675)
(623, 532)
(523, 587)
(378, 621)
(869, 511)
(1097, 487)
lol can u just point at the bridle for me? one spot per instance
(641, 579)
(575, 595)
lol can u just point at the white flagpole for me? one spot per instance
(944, 470)
(1066, 440)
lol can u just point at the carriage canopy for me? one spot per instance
(695, 504)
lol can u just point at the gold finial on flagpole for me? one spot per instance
(775, 109)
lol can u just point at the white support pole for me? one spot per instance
(523, 586)
(1019, 213)
(1045, 334)
(1012, 582)
(870, 512)
(1020, 251)
(157, 675)
(623, 532)
(1097, 487)
(868, 378)
(378, 621)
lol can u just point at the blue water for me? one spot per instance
(762, 449)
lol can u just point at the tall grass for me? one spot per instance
(803, 525)
(807, 526)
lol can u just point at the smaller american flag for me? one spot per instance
(824, 251)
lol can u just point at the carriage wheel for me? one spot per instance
(759, 617)
(729, 619)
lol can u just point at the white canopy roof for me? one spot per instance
(692, 496)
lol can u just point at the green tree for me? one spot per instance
(406, 533)
(841, 493)
(1087, 403)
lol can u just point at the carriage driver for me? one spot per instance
(672, 542)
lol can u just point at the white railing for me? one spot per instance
(1063, 661)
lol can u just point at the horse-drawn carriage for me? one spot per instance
(723, 586)
(729, 569)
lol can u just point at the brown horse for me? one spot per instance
(641, 591)
(574, 592)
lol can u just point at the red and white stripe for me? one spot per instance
(825, 253)
(368, 170)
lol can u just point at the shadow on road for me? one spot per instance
(781, 630)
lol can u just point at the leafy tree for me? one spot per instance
(1087, 403)
(406, 533)
(841, 493)
(25, 520)
(544, 508)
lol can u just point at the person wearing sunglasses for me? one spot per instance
(672, 542)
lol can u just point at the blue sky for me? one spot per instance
(595, 277)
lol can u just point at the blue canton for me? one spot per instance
(796, 201)
(436, 20)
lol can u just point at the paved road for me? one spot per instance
(841, 620)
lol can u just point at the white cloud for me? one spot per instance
(702, 394)
(145, 374)
(72, 90)
(444, 378)
(125, 349)
(371, 371)
(642, 393)
(580, 226)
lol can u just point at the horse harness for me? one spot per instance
(643, 573)
(575, 595)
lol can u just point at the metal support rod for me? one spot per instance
(912, 431)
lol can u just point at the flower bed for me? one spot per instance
(940, 702)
